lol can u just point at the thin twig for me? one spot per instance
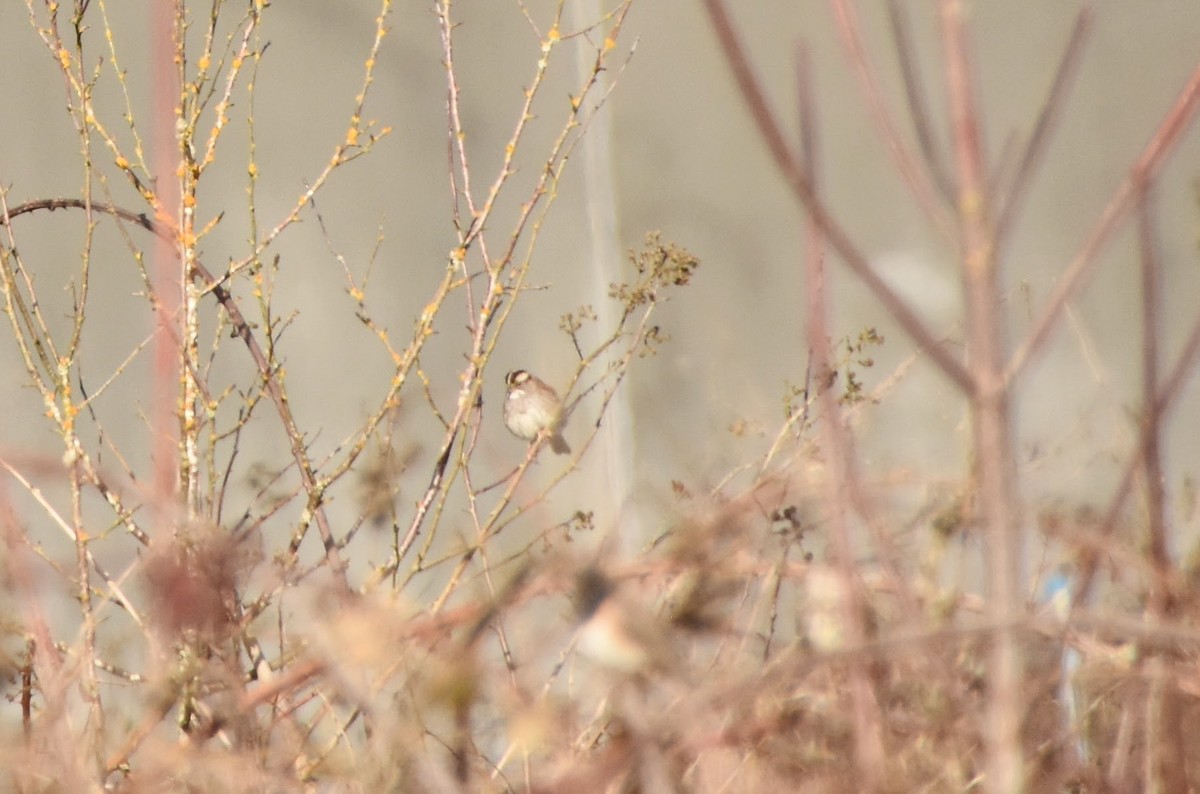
(801, 188)
(918, 181)
(1144, 172)
(1038, 140)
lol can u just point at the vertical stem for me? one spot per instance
(188, 290)
(89, 684)
(1166, 761)
(618, 447)
(836, 441)
(995, 480)
(166, 276)
(1151, 415)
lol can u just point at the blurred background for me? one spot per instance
(673, 150)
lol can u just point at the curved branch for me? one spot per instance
(242, 330)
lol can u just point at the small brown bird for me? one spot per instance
(616, 632)
(531, 409)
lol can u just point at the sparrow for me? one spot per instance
(531, 408)
(617, 633)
